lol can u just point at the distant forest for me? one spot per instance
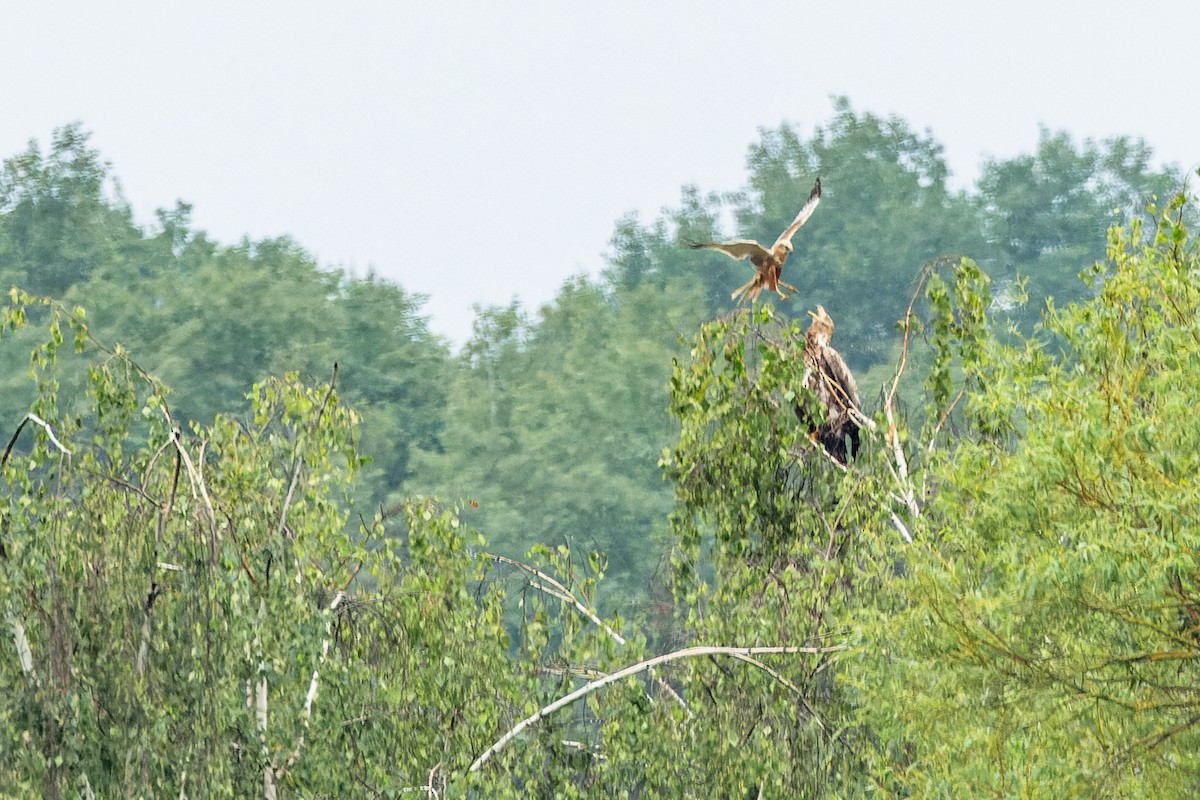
(553, 419)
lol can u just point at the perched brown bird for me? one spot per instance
(768, 264)
(828, 377)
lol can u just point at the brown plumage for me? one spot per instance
(768, 264)
(828, 377)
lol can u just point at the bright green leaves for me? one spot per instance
(1050, 622)
(942, 320)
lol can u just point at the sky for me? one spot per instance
(477, 152)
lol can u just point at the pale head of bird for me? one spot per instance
(821, 330)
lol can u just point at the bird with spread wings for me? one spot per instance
(768, 263)
(828, 377)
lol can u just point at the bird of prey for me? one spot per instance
(828, 377)
(768, 263)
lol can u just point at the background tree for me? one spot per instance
(1044, 214)
(211, 319)
(552, 427)
(61, 214)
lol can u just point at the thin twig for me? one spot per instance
(160, 531)
(557, 590)
(428, 788)
(788, 684)
(12, 441)
(941, 422)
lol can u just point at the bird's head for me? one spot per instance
(821, 329)
(822, 316)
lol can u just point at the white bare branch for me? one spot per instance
(24, 652)
(199, 490)
(311, 696)
(900, 526)
(35, 419)
(641, 666)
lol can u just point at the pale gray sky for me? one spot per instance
(433, 140)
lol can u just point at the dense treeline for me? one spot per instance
(552, 420)
(212, 319)
(241, 604)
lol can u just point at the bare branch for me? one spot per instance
(812, 444)
(899, 469)
(287, 500)
(35, 419)
(429, 789)
(24, 652)
(306, 713)
(199, 490)
(641, 666)
(557, 590)
(900, 526)
(257, 697)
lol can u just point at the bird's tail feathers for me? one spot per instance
(749, 290)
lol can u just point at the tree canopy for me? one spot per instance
(263, 533)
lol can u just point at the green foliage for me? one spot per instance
(186, 611)
(772, 547)
(553, 427)
(997, 596)
(1044, 214)
(57, 223)
(1046, 643)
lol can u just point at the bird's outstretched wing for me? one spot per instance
(810, 205)
(737, 248)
